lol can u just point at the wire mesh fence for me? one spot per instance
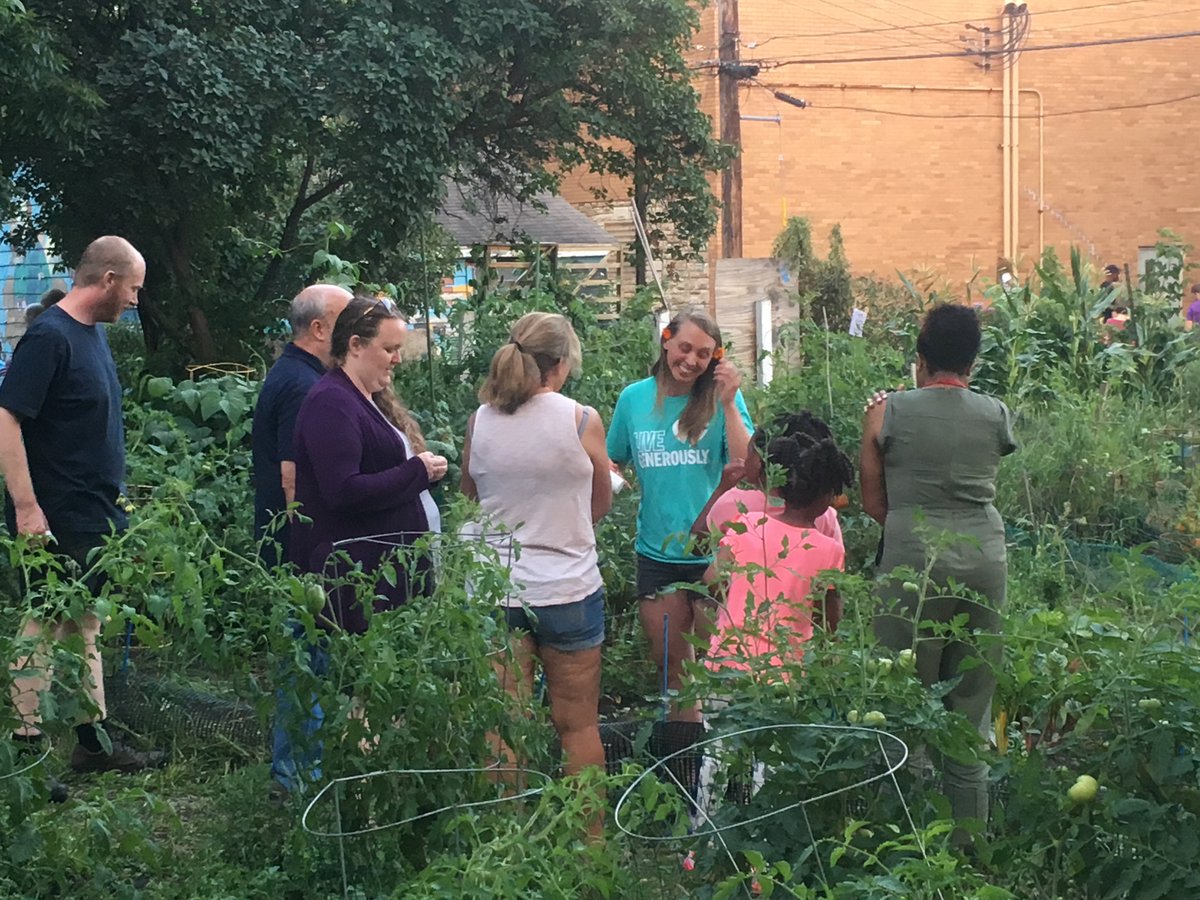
(150, 703)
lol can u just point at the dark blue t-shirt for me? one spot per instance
(285, 387)
(63, 386)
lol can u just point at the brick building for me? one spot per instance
(916, 157)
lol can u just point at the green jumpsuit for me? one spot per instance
(941, 449)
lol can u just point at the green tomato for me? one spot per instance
(911, 587)
(1083, 790)
(908, 659)
(883, 665)
(1150, 704)
(852, 717)
(314, 598)
(874, 719)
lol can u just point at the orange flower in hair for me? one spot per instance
(667, 334)
(719, 354)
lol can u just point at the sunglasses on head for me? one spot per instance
(389, 309)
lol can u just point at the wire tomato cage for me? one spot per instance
(32, 764)
(334, 786)
(489, 552)
(722, 750)
(492, 550)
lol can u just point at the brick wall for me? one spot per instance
(924, 190)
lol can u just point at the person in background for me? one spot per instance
(1109, 286)
(361, 464)
(312, 315)
(303, 361)
(1192, 315)
(536, 462)
(62, 455)
(1118, 319)
(47, 300)
(729, 502)
(678, 428)
(765, 566)
(362, 470)
(928, 466)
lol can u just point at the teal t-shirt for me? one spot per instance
(677, 478)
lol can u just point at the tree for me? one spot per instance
(823, 287)
(228, 132)
(38, 101)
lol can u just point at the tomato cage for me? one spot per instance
(412, 563)
(378, 792)
(343, 809)
(30, 764)
(215, 370)
(795, 790)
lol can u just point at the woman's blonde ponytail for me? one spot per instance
(537, 343)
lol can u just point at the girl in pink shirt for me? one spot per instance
(768, 558)
(730, 502)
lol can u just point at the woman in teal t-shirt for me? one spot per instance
(678, 428)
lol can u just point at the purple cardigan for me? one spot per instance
(353, 479)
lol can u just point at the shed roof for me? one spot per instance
(472, 215)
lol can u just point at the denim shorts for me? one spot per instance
(564, 627)
(655, 577)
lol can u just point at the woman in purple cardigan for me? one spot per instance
(361, 464)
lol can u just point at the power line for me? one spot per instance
(943, 22)
(774, 89)
(1067, 9)
(1011, 38)
(864, 15)
(861, 14)
(919, 12)
(1137, 39)
(938, 42)
(932, 42)
(1088, 25)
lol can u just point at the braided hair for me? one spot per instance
(802, 445)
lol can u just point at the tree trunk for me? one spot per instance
(290, 233)
(203, 348)
(151, 332)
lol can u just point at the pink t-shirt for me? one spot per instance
(730, 505)
(783, 561)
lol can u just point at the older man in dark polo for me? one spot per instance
(302, 363)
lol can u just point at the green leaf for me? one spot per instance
(157, 388)
(210, 404)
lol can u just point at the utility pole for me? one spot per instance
(731, 130)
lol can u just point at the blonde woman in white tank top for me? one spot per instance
(536, 462)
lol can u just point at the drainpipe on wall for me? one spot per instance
(1006, 145)
(1014, 95)
(1012, 187)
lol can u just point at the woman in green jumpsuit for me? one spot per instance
(929, 462)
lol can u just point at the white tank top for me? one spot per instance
(535, 479)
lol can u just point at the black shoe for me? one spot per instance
(122, 759)
(58, 790)
(278, 795)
